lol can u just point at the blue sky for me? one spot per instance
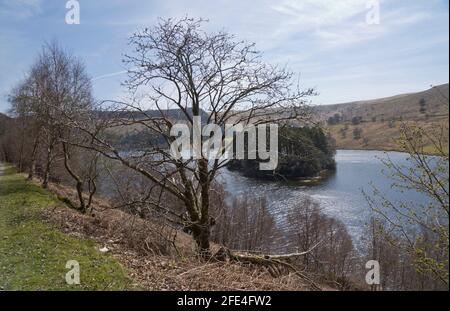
(327, 42)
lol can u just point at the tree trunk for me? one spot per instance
(200, 230)
(92, 187)
(201, 234)
(199, 222)
(80, 196)
(32, 169)
(48, 166)
(205, 224)
(79, 182)
(33, 158)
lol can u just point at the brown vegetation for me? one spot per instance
(161, 258)
(168, 218)
(381, 119)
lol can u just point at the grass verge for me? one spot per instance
(33, 255)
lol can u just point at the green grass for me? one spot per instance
(33, 255)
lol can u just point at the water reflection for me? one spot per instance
(340, 195)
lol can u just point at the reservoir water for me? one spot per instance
(340, 195)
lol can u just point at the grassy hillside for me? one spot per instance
(39, 234)
(33, 254)
(378, 121)
(377, 135)
(406, 106)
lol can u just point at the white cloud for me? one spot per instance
(349, 34)
(404, 17)
(326, 23)
(20, 9)
(316, 13)
(328, 41)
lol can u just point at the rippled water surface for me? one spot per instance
(340, 195)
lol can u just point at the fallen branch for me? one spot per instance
(276, 265)
(292, 255)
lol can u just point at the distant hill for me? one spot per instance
(432, 103)
(377, 121)
(138, 135)
(173, 114)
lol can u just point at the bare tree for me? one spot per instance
(84, 171)
(245, 224)
(419, 229)
(177, 65)
(25, 105)
(56, 86)
(326, 244)
(64, 89)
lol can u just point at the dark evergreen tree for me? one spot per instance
(302, 152)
